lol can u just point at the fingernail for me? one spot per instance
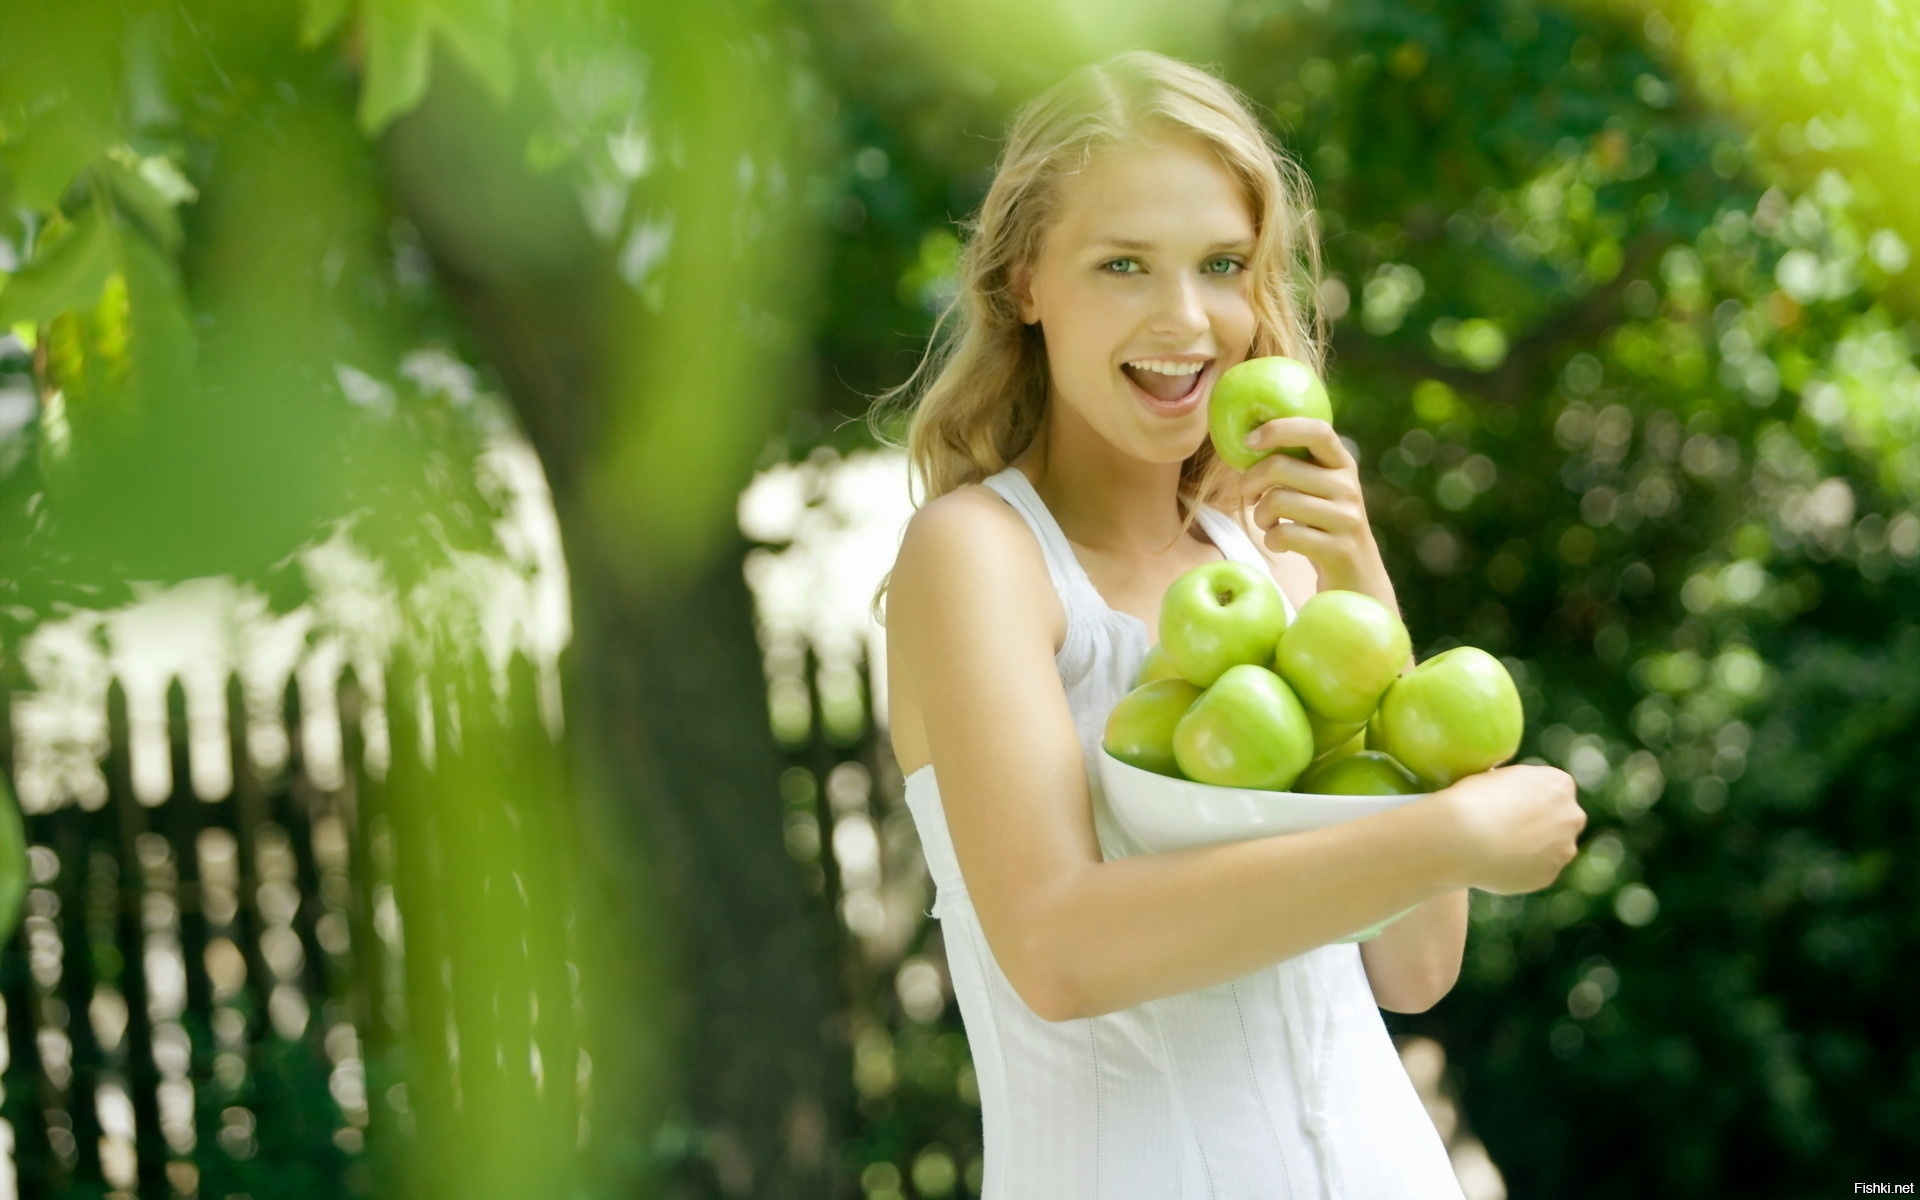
(1256, 439)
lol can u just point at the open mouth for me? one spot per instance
(1167, 389)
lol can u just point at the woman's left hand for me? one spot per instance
(1315, 507)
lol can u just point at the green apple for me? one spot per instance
(1340, 653)
(1140, 727)
(1454, 715)
(1156, 665)
(1374, 737)
(1220, 615)
(1251, 393)
(1331, 739)
(1248, 730)
(1368, 773)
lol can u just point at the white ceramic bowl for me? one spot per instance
(1163, 813)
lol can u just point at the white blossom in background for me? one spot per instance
(831, 528)
(202, 631)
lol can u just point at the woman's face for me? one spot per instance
(1145, 265)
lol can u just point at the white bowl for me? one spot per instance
(1163, 813)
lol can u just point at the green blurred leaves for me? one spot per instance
(70, 268)
(1824, 84)
(14, 875)
(397, 37)
(41, 156)
(119, 195)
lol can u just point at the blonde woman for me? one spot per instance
(1154, 1026)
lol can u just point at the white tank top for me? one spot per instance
(1283, 1083)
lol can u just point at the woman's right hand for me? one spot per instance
(1516, 827)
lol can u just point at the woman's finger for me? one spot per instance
(1317, 545)
(1317, 437)
(1314, 511)
(1285, 471)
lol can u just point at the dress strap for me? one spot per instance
(1069, 577)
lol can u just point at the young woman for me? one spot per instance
(1154, 1026)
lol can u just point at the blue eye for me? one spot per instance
(1110, 262)
(1234, 261)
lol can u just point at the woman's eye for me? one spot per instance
(1114, 262)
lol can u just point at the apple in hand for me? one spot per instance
(1251, 393)
(1340, 653)
(1455, 715)
(1220, 615)
(1367, 773)
(1140, 727)
(1156, 665)
(1248, 730)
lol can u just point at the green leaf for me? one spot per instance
(477, 30)
(399, 49)
(320, 19)
(160, 331)
(63, 275)
(56, 146)
(142, 202)
(397, 60)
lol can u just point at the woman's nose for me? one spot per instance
(1180, 311)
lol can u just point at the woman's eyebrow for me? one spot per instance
(1136, 244)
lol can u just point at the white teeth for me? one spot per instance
(1169, 368)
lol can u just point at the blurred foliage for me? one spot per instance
(1626, 337)
(1823, 84)
(244, 251)
(193, 233)
(194, 217)
(1632, 370)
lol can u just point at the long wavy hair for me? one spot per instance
(980, 393)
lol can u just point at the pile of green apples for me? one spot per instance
(1234, 694)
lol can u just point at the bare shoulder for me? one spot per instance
(971, 543)
(966, 561)
(972, 511)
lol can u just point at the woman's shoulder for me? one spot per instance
(970, 547)
(971, 521)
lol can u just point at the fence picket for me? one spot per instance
(214, 922)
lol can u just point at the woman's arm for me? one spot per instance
(1415, 961)
(1075, 935)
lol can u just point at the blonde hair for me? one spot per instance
(988, 391)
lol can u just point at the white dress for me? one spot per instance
(1282, 1083)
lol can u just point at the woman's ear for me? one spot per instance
(1023, 294)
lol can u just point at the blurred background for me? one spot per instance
(442, 728)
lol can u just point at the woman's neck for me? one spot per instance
(1103, 499)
